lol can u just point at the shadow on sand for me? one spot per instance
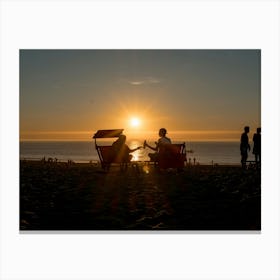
(57, 196)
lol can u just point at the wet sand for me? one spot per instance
(61, 196)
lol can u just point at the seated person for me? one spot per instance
(163, 140)
(120, 151)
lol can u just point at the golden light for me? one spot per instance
(146, 169)
(134, 122)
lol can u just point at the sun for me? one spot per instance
(135, 122)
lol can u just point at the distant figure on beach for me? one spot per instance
(121, 151)
(161, 141)
(244, 146)
(257, 145)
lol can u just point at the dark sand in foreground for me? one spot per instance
(59, 196)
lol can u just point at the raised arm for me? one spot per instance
(147, 145)
(133, 150)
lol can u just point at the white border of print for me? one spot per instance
(139, 24)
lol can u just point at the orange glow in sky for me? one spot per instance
(70, 94)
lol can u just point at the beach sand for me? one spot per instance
(61, 196)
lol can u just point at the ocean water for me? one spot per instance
(203, 152)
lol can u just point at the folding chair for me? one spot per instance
(105, 152)
(172, 156)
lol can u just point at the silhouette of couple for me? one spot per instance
(245, 146)
(123, 152)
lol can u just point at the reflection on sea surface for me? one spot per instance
(204, 152)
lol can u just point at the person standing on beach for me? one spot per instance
(244, 146)
(163, 140)
(257, 146)
(121, 151)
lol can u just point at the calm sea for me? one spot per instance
(203, 152)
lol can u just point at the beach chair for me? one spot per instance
(105, 151)
(172, 156)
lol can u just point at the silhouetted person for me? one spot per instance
(257, 146)
(244, 146)
(161, 141)
(121, 151)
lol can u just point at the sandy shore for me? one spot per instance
(61, 196)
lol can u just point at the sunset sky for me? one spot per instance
(208, 94)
